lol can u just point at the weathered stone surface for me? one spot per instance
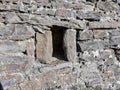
(82, 6)
(23, 17)
(42, 11)
(103, 24)
(88, 30)
(91, 78)
(12, 47)
(85, 35)
(50, 80)
(16, 56)
(93, 45)
(15, 64)
(70, 44)
(1, 19)
(31, 85)
(49, 22)
(16, 77)
(101, 34)
(115, 40)
(63, 13)
(16, 32)
(108, 6)
(44, 47)
(89, 16)
(11, 17)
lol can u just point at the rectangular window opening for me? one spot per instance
(57, 38)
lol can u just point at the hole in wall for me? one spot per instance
(25, 52)
(57, 38)
(1, 87)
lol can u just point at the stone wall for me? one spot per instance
(60, 44)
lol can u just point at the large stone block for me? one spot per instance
(93, 45)
(82, 6)
(70, 44)
(16, 56)
(115, 40)
(12, 17)
(91, 78)
(100, 34)
(16, 32)
(10, 81)
(44, 47)
(103, 24)
(20, 47)
(50, 80)
(85, 35)
(15, 64)
(63, 13)
(89, 16)
(31, 85)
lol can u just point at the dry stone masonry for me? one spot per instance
(60, 44)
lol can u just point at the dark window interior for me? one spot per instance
(57, 36)
(1, 87)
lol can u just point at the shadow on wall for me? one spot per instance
(1, 87)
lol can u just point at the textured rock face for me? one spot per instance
(60, 44)
(44, 47)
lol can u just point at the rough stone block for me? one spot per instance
(44, 47)
(82, 6)
(50, 80)
(93, 45)
(11, 47)
(12, 17)
(63, 13)
(70, 44)
(16, 32)
(108, 6)
(103, 24)
(100, 34)
(15, 64)
(115, 40)
(16, 56)
(31, 85)
(89, 16)
(85, 35)
(2, 19)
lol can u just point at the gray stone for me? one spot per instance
(15, 64)
(63, 13)
(118, 1)
(100, 34)
(103, 24)
(91, 76)
(23, 8)
(115, 32)
(12, 17)
(93, 45)
(1, 19)
(85, 7)
(89, 16)
(8, 83)
(42, 11)
(85, 35)
(22, 32)
(35, 19)
(70, 44)
(108, 6)
(23, 17)
(80, 23)
(44, 47)
(115, 40)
